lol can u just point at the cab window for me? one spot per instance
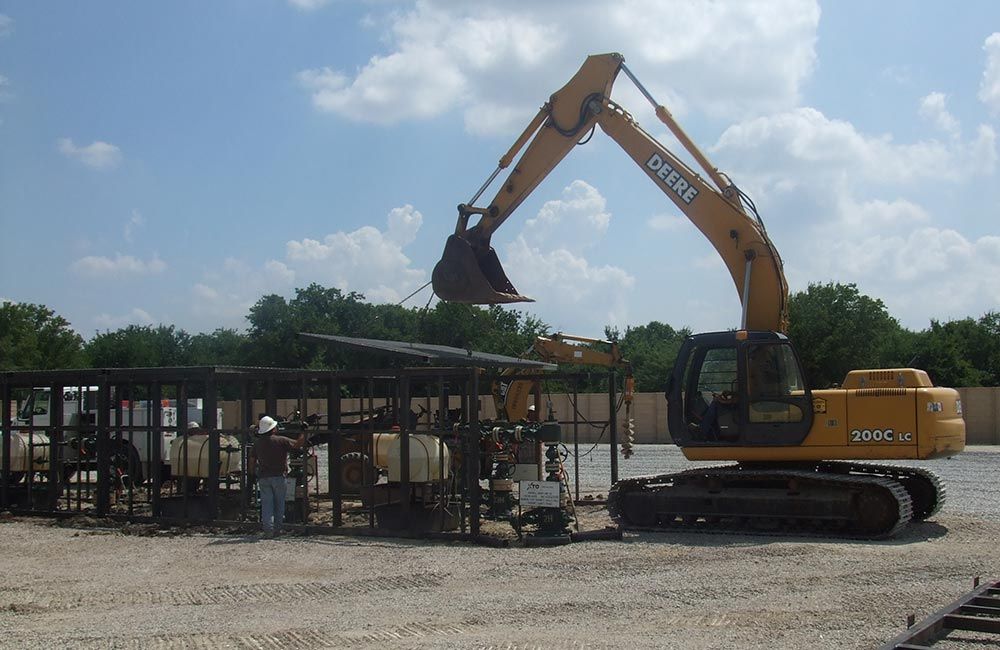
(772, 378)
(716, 373)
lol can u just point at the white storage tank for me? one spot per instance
(197, 455)
(383, 442)
(21, 451)
(428, 456)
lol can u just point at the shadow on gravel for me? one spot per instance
(235, 539)
(322, 540)
(368, 541)
(920, 532)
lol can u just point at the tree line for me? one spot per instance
(833, 326)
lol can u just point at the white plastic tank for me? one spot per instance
(428, 456)
(197, 455)
(382, 442)
(23, 457)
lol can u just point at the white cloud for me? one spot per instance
(98, 265)
(844, 208)
(5, 94)
(921, 273)
(308, 5)
(404, 223)
(134, 223)
(803, 144)
(570, 290)
(6, 25)
(279, 272)
(205, 292)
(667, 222)
(573, 223)
(97, 155)
(878, 215)
(135, 316)
(899, 74)
(367, 260)
(383, 91)
(497, 64)
(989, 87)
(932, 107)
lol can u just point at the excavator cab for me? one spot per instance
(741, 388)
(472, 275)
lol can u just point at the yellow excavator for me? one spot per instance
(738, 395)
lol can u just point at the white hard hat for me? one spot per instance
(193, 425)
(267, 423)
(531, 407)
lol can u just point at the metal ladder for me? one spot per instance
(977, 611)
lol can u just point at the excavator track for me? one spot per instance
(926, 490)
(764, 499)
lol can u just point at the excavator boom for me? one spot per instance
(470, 271)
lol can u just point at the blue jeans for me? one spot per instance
(272, 502)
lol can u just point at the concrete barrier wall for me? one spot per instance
(649, 413)
(981, 407)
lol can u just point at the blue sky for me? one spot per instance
(172, 162)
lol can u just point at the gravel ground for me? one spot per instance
(82, 586)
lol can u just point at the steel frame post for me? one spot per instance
(103, 444)
(405, 495)
(6, 462)
(613, 424)
(333, 449)
(211, 424)
(246, 444)
(576, 437)
(156, 442)
(55, 445)
(472, 452)
(185, 451)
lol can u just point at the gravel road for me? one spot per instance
(77, 585)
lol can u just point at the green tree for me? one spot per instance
(272, 332)
(223, 347)
(835, 328)
(960, 352)
(275, 325)
(652, 349)
(140, 346)
(990, 368)
(33, 337)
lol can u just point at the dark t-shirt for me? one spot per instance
(271, 452)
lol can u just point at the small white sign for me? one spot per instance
(539, 494)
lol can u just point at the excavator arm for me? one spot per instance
(512, 392)
(514, 389)
(470, 271)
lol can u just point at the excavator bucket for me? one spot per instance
(466, 275)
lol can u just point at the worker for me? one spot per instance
(532, 413)
(269, 459)
(724, 404)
